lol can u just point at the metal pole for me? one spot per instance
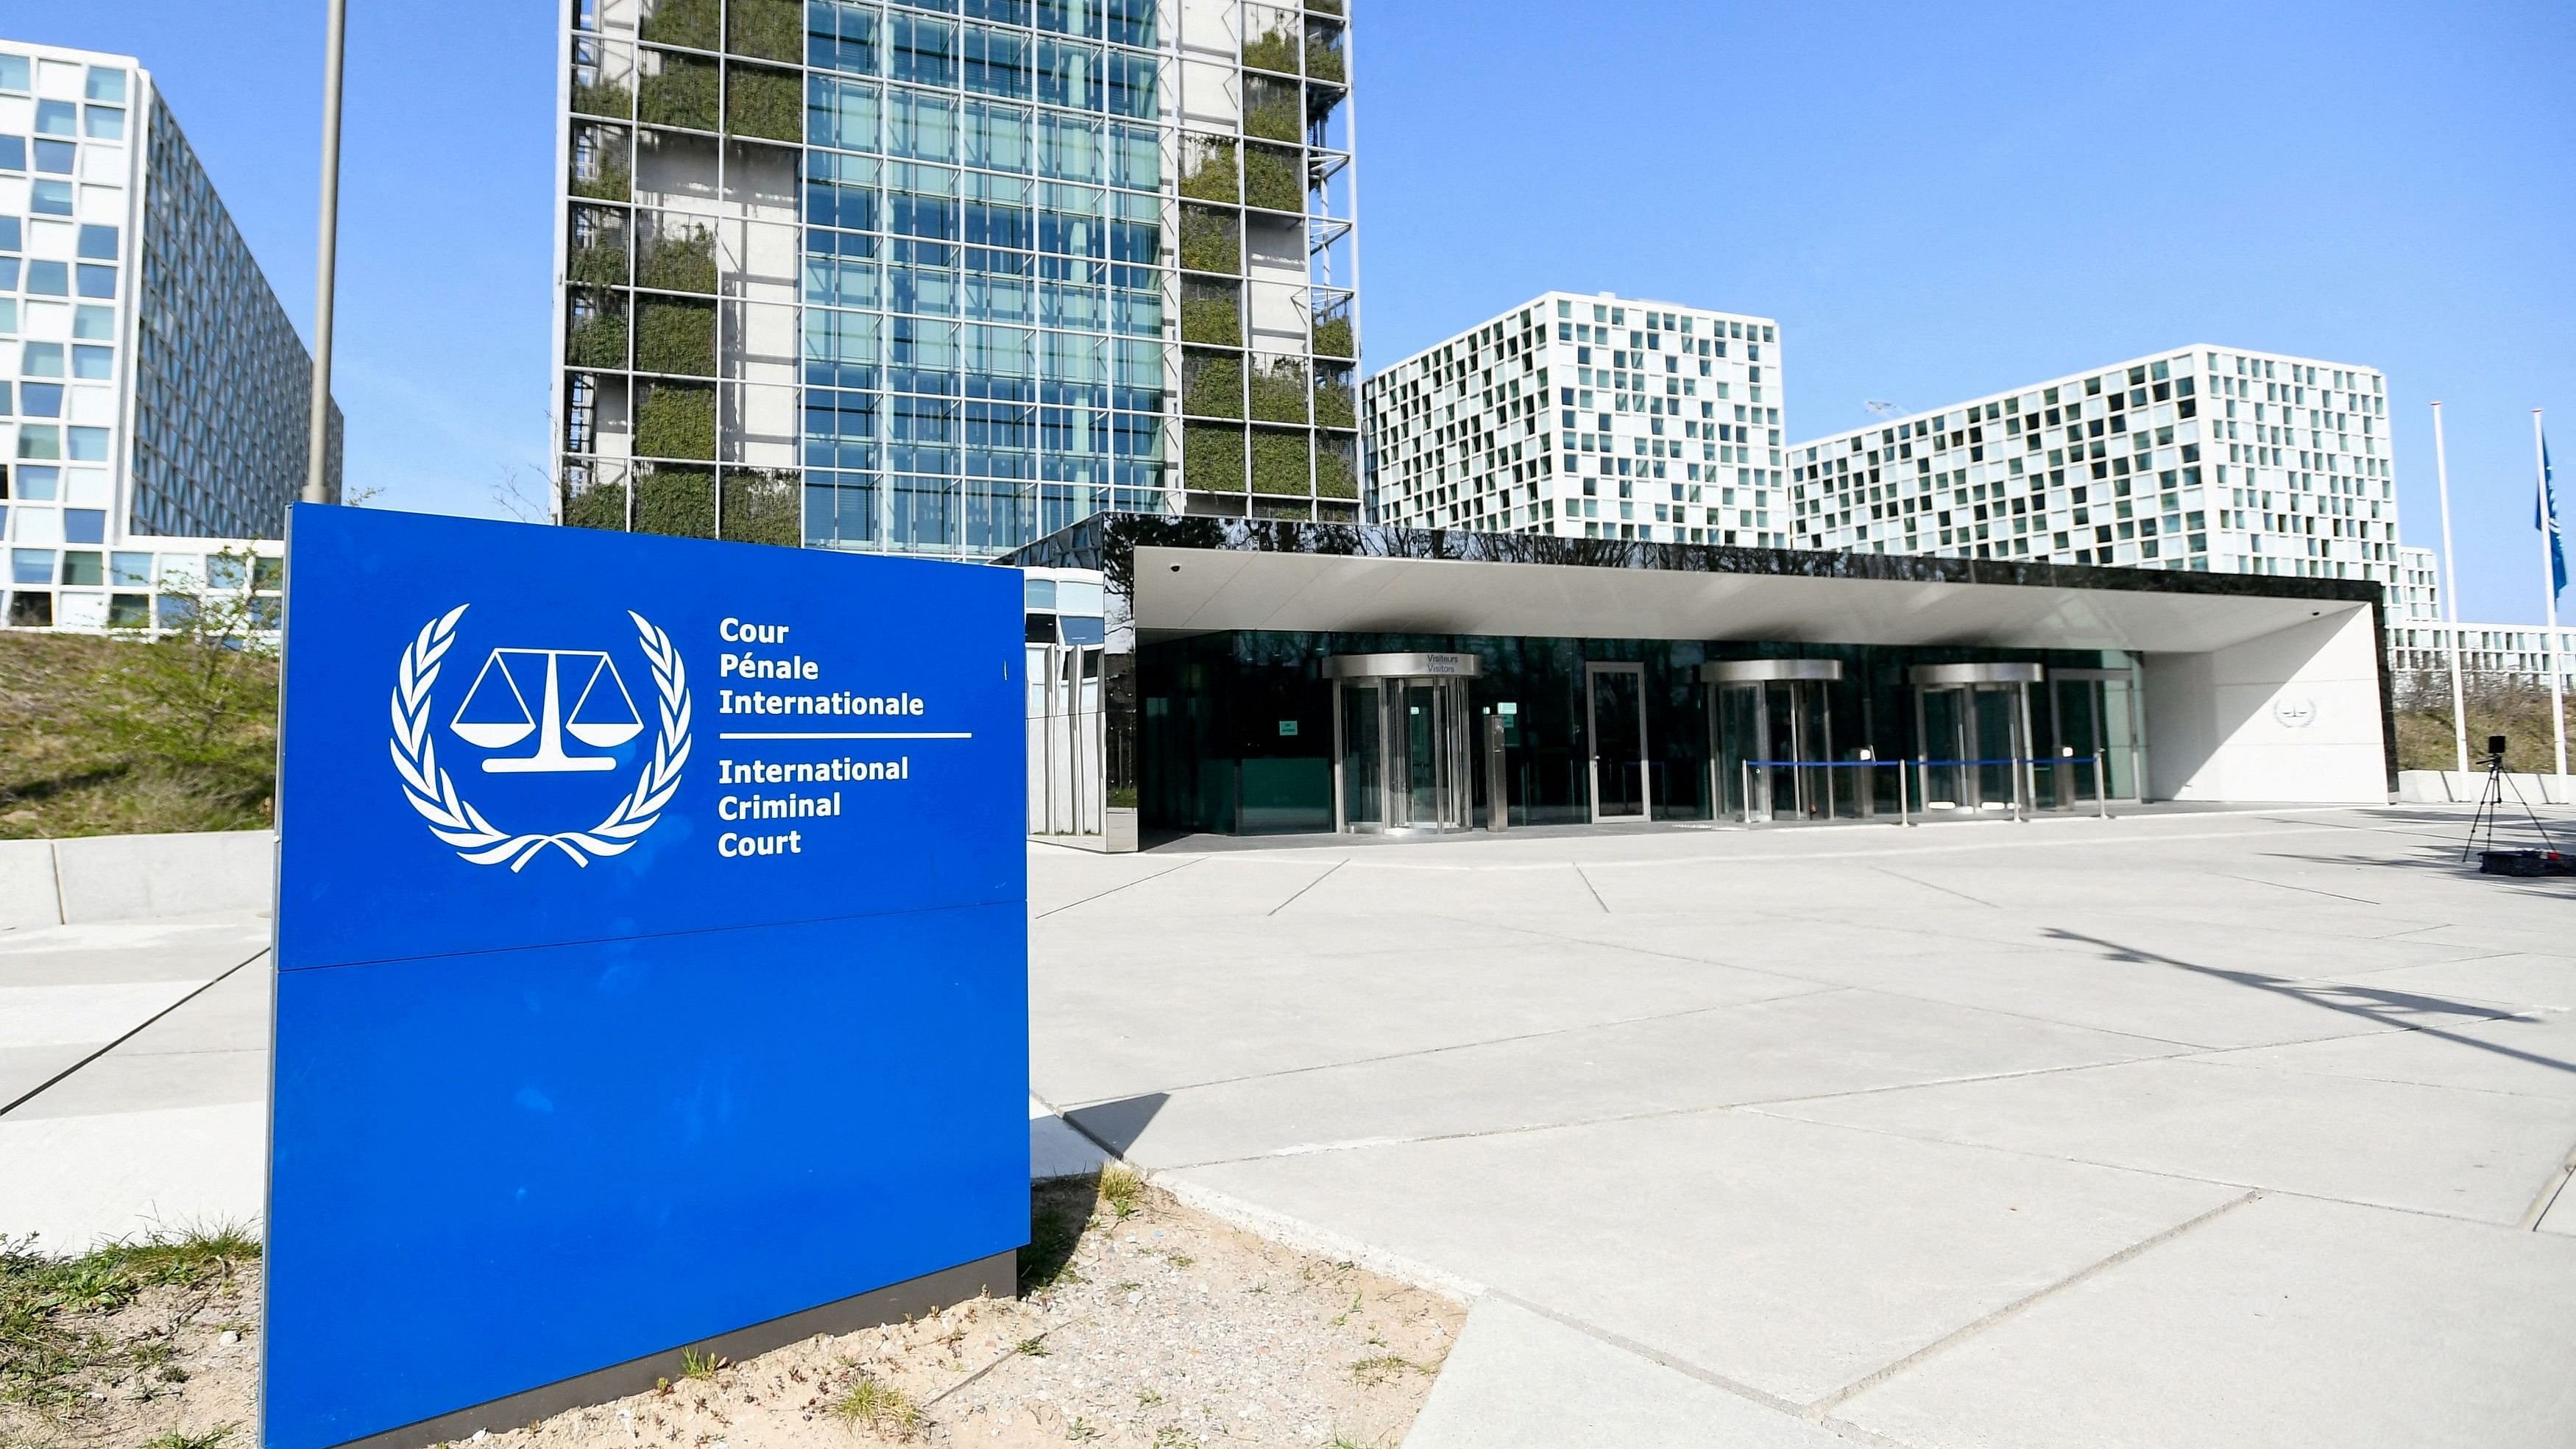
(1747, 767)
(2549, 589)
(317, 447)
(2451, 598)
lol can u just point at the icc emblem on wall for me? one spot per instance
(560, 701)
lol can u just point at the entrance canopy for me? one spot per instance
(1925, 602)
(1602, 678)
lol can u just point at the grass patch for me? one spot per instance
(179, 1439)
(48, 1353)
(103, 736)
(1123, 1190)
(1386, 1367)
(696, 1365)
(879, 1406)
(2518, 711)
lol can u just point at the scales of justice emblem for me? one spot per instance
(551, 694)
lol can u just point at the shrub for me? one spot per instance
(675, 420)
(1212, 458)
(595, 505)
(1208, 174)
(1210, 242)
(1279, 462)
(1334, 475)
(1272, 110)
(762, 506)
(1213, 319)
(684, 94)
(1334, 405)
(598, 340)
(675, 336)
(1273, 50)
(611, 184)
(1271, 180)
(1279, 391)
(765, 103)
(769, 29)
(1215, 388)
(683, 22)
(680, 502)
(1333, 337)
(1323, 62)
(604, 99)
(600, 262)
(682, 259)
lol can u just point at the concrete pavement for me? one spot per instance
(133, 1077)
(2185, 1130)
(2202, 1129)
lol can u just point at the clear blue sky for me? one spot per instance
(1935, 202)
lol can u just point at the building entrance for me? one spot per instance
(1774, 726)
(1972, 725)
(1401, 742)
(1615, 723)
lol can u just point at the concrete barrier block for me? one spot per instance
(27, 896)
(128, 877)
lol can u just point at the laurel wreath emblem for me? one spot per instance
(454, 819)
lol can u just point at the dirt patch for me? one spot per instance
(1142, 1323)
(153, 1346)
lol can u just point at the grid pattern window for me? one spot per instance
(2418, 595)
(2419, 654)
(222, 383)
(1588, 417)
(2198, 459)
(152, 393)
(915, 277)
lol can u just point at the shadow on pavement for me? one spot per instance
(2398, 1010)
(1117, 1125)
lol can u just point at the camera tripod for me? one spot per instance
(2491, 861)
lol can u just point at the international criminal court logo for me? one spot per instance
(539, 712)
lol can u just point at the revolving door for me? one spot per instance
(1774, 726)
(1972, 736)
(1401, 738)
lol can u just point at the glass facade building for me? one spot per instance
(153, 394)
(945, 276)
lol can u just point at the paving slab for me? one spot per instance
(1705, 1057)
(1517, 1379)
(74, 1182)
(2290, 1324)
(2397, 1144)
(1791, 1257)
(2531, 1052)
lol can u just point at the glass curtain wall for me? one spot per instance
(917, 276)
(1237, 730)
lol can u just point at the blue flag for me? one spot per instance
(2544, 516)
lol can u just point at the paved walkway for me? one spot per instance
(2175, 1131)
(133, 1077)
(2190, 1130)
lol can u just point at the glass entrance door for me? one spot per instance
(1404, 754)
(1767, 734)
(1974, 748)
(1617, 727)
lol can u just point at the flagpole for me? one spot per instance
(2549, 592)
(2451, 598)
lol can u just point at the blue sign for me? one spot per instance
(652, 951)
